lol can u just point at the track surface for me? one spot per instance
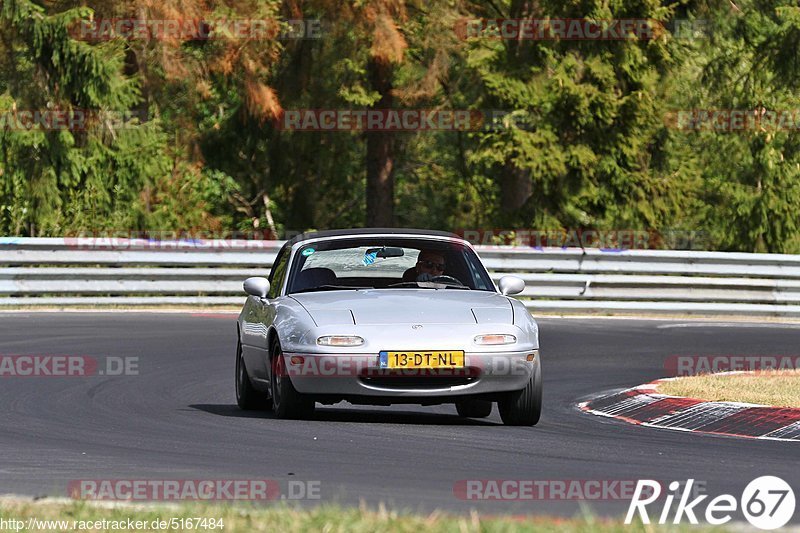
(177, 418)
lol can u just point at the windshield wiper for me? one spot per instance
(331, 288)
(427, 285)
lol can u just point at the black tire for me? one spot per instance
(247, 397)
(286, 401)
(474, 408)
(524, 407)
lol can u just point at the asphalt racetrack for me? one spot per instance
(177, 418)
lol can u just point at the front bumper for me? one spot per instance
(345, 375)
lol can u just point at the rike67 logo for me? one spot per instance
(767, 502)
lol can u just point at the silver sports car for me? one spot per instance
(377, 316)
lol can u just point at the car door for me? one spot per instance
(258, 317)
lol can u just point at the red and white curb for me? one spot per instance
(644, 406)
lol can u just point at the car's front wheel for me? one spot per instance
(247, 397)
(474, 408)
(524, 407)
(286, 401)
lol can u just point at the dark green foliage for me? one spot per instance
(584, 142)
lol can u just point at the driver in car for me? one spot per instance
(429, 265)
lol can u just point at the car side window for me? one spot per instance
(277, 275)
(479, 281)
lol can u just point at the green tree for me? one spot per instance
(751, 175)
(578, 145)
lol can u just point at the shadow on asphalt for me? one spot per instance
(362, 416)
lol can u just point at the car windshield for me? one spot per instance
(386, 263)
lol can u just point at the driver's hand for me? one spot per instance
(425, 276)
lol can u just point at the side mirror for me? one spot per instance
(511, 285)
(256, 286)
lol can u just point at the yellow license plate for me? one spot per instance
(438, 359)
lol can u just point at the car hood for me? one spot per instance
(406, 306)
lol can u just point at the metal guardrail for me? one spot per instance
(63, 272)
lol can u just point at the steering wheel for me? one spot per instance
(445, 279)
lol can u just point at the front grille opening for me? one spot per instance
(419, 378)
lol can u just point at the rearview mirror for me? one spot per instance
(509, 285)
(386, 252)
(256, 286)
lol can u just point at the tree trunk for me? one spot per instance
(380, 154)
(515, 189)
(515, 183)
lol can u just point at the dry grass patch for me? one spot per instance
(780, 388)
(329, 519)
